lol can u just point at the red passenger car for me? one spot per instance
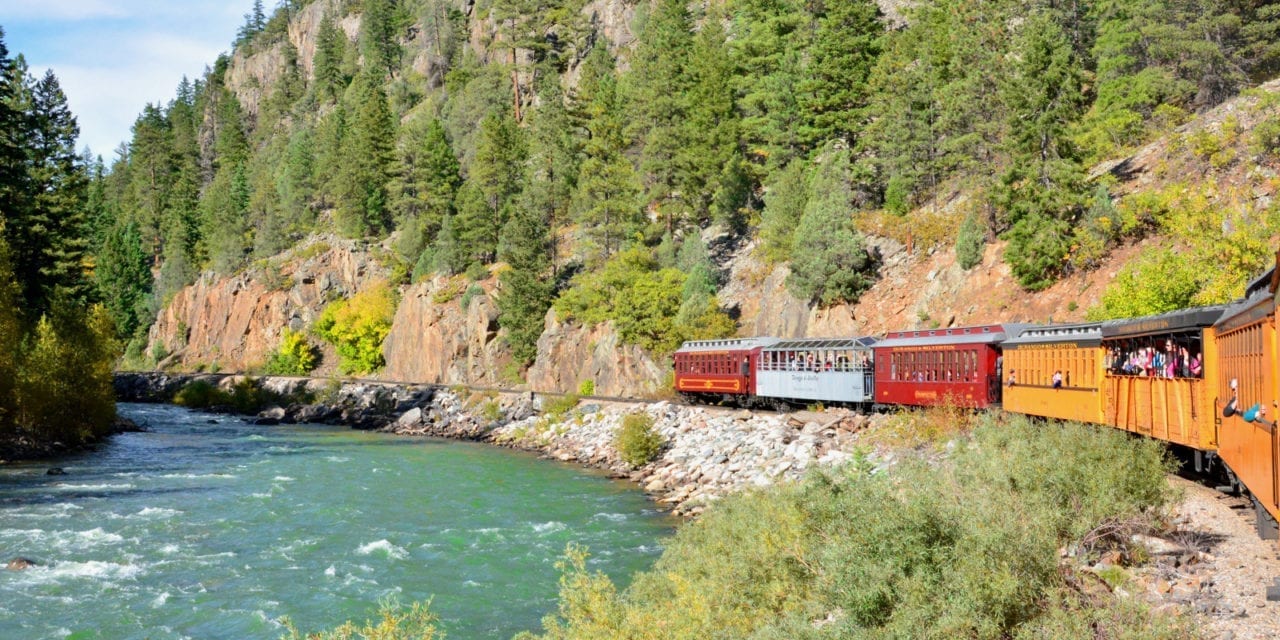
(711, 370)
(934, 366)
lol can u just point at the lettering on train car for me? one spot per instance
(1050, 345)
(1147, 325)
(926, 395)
(935, 347)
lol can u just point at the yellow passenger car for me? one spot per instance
(1158, 376)
(1056, 371)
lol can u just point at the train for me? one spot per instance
(1205, 378)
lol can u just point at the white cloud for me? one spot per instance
(114, 56)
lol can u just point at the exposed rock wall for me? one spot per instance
(235, 322)
(443, 342)
(569, 354)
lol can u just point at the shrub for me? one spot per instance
(393, 622)
(962, 547)
(470, 294)
(587, 388)
(449, 289)
(294, 357)
(969, 242)
(556, 407)
(200, 394)
(637, 442)
(477, 272)
(357, 327)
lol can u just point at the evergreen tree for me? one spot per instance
(710, 177)
(552, 168)
(833, 93)
(12, 150)
(426, 180)
(1043, 189)
(53, 258)
(379, 37)
(768, 46)
(331, 49)
(493, 181)
(367, 159)
(606, 202)
(447, 254)
(834, 266)
(123, 277)
(658, 86)
(151, 175)
(526, 288)
(331, 133)
(784, 205)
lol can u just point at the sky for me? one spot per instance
(112, 57)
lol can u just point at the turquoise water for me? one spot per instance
(207, 527)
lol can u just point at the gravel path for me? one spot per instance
(1227, 588)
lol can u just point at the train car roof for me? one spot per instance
(1180, 320)
(1081, 333)
(729, 344)
(957, 335)
(805, 344)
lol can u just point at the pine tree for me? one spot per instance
(552, 167)
(367, 158)
(768, 46)
(447, 255)
(123, 277)
(379, 38)
(784, 205)
(494, 180)
(426, 180)
(1043, 189)
(331, 49)
(710, 177)
(60, 183)
(657, 89)
(606, 202)
(834, 90)
(834, 266)
(526, 287)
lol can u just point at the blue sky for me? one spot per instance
(114, 56)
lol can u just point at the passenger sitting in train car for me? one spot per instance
(1057, 379)
(1013, 378)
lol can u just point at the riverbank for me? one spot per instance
(24, 448)
(707, 453)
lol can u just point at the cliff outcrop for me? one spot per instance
(233, 323)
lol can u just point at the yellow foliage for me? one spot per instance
(358, 326)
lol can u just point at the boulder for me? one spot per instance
(410, 417)
(55, 471)
(21, 564)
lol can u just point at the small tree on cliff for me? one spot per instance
(831, 265)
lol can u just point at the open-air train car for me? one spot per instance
(827, 370)
(1157, 368)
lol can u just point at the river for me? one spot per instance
(207, 527)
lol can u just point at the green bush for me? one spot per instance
(201, 394)
(56, 383)
(962, 548)
(556, 407)
(637, 442)
(393, 622)
(587, 388)
(357, 327)
(294, 357)
(469, 295)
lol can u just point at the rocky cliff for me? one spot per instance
(232, 323)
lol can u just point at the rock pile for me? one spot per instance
(708, 453)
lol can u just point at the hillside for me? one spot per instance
(560, 192)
